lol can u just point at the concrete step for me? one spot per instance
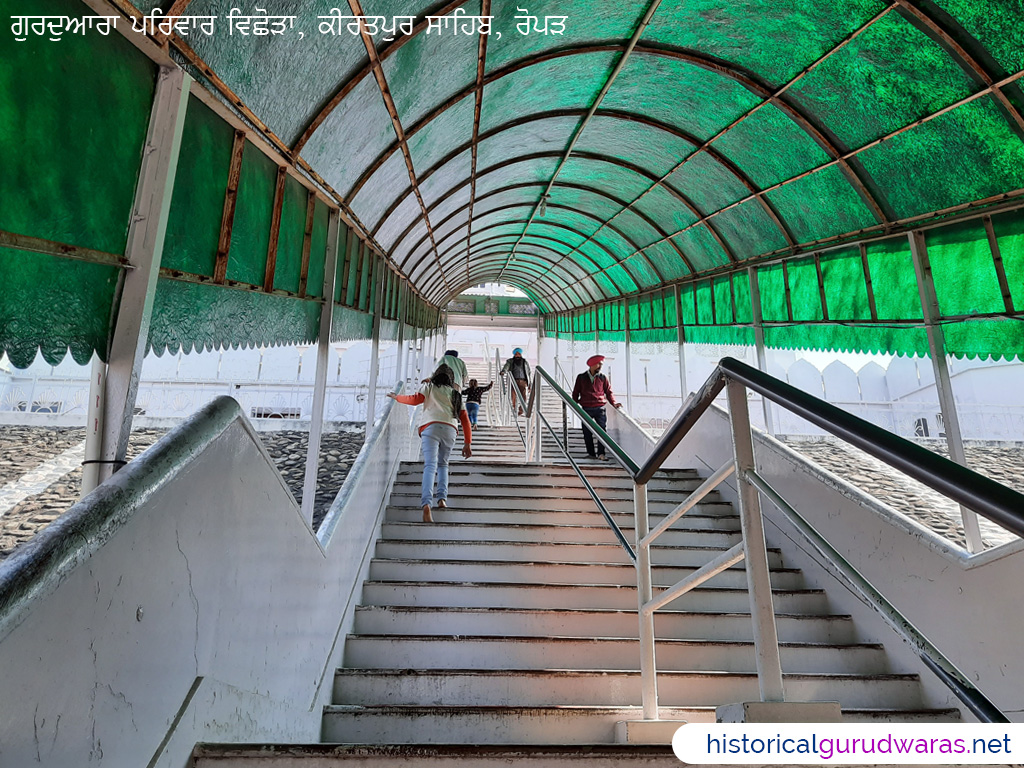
(601, 481)
(538, 725)
(592, 623)
(406, 498)
(477, 595)
(466, 755)
(560, 573)
(533, 687)
(676, 536)
(551, 469)
(716, 517)
(539, 652)
(547, 552)
(461, 487)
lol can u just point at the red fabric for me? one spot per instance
(593, 394)
(416, 399)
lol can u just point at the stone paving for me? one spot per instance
(40, 476)
(31, 455)
(1003, 463)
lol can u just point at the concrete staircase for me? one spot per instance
(511, 621)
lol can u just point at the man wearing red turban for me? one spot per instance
(592, 391)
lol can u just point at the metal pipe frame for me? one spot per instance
(959, 683)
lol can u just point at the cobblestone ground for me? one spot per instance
(29, 456)
(911, 498)
(46, 461)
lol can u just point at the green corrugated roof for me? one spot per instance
(735, 132)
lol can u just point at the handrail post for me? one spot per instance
(766, 638)
(538, 435)
(644, 593)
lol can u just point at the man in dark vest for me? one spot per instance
(592, 391)
(520, 372)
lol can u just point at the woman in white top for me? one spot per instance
(443, 411)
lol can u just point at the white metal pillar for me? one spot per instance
(400, 351)
(144, 250)
(597, 336)
(762, 360)
(943, 385)
(371, 395)
(645, 591)
(681, 331)
(766, 638)
(323, 348)
(94, 427)
(629, 370)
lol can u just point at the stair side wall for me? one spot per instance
(964, 604)
(212, 613)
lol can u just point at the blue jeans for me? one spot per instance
(472, 409)
(437, 440)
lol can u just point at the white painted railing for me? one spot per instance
(990, 499)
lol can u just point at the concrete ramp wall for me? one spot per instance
(185, 600)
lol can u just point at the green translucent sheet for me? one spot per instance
(388, 330)
(749, 230)
(845, 289)
(708, 183)
(656, 149)
(71, 132)
(771, 283)
(701, 248)
(539, 134)
(361, 128)
(805, 292)
(721, 288)
(638, 229)
(274, 74)
(318, 251)
(888, 77)
(774, 39)
(1009, 229)
(537, 170)
(665, 209)
(565, 83)
(968, 154)
(621, 182)
(190, 316)
(769, 147)
(291, 237)
(894, 280)
(696, 100)
(641, 269)
(954, 252)
(389, 183)
(250, 235)
(429, 70)
(441, 136)
(392, 228)
(667, 261)
(589, 21)
(590, 200)
(201, 180)
(78, 299)
(798, 206)
(350, 325)
(1001, 33)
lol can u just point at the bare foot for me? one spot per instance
(426, 514)
(442, 504)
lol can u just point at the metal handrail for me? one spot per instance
(590, 489)
(937, 661)
(996, 502)
(985, 496)
(505, 390)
